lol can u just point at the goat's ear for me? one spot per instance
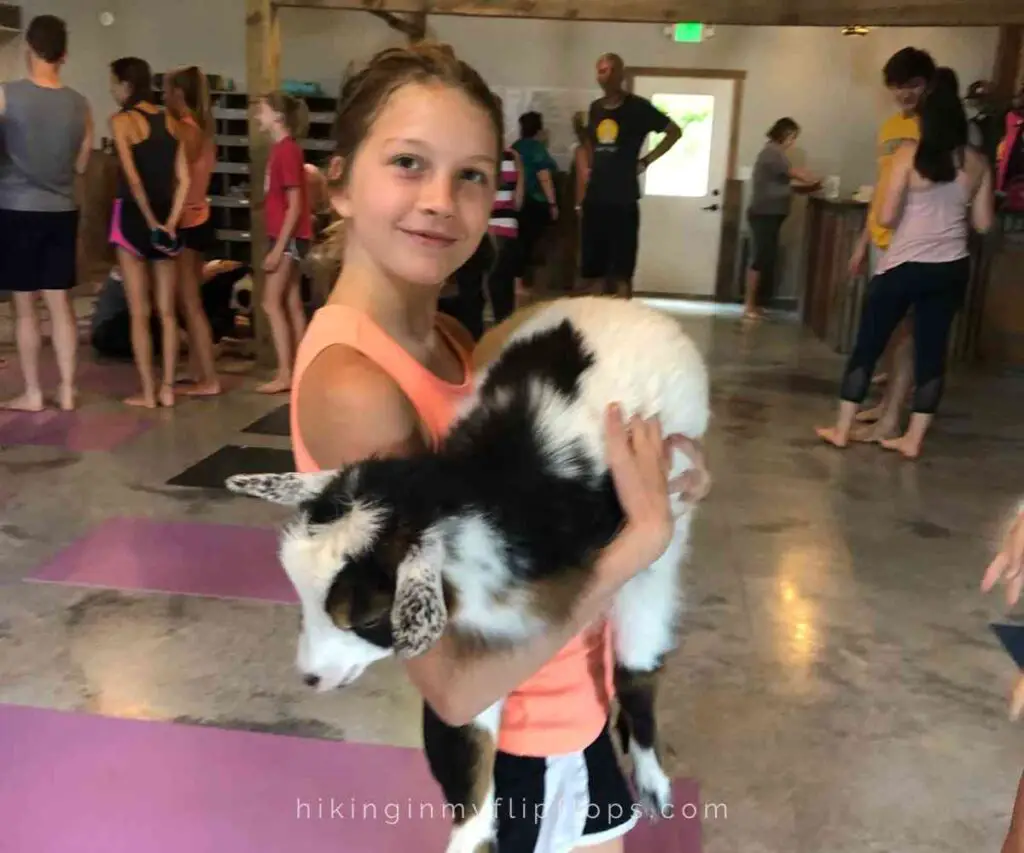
(287, 489)
(419, 615)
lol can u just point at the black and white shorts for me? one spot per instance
(558, 803)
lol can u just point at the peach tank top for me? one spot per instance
(563, 707)
(197, 207)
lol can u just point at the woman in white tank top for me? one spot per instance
(938, 188)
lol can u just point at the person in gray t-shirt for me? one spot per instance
(45, 142)
(773, 180)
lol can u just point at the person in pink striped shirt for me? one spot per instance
(498, 258)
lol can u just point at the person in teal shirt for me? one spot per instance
(540, 204)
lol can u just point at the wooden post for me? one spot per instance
(1009, 63)
(263, 66)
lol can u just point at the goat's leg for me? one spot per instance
(461, 759)
(644, 617)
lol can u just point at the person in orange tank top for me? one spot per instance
(187, 96)
(380, 371)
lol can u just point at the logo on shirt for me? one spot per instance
(607, 131)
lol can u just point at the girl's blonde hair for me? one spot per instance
(195, 89)
(293, 111)
(365, 92)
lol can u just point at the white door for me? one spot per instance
(681, 194)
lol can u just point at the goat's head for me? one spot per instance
(369, 582)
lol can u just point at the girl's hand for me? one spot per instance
(1008, 565)
(272, 261)
(639, 464)
(692, 485)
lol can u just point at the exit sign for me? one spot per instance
(688, 33)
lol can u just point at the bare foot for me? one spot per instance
(24, 403)
(66, 398)
(880, 379)
(142, 401)
(869, 416)
(275, 386)
(832, 436)
(166, 396)
(874, 433)
(905, 445)
(203, 389)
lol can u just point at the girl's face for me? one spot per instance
(119, 91)
(420, 189)
(790, 139)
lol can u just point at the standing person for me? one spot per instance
(289, 228)
(153, 182)
(907, 75)
(618, 124)
(1010, 157)
(936, 189)
(540, 200)
(382, 372)
(187, 96)
(773, 179)
(497, 258)
(47, 139)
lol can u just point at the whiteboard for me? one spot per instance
(555, 105)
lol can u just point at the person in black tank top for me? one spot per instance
(152, 186)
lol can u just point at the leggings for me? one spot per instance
(935, 292)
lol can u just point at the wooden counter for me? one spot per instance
(990, 327)
(831, 299)
(997, 335)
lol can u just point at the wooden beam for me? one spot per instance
(263, 66)
(1009, 63)
(794, 13)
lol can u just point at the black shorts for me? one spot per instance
(198, 238)
(608, 240)
(38, 250)
(555, 804)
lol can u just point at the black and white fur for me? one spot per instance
(472, 538)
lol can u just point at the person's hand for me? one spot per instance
(856, 266)
(1008, 565)
(639, 464)
(692, 485)
(272, 261)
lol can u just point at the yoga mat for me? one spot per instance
(273, 423)
(79, 431)
(91, 784)
(188, 558)
(213, 471)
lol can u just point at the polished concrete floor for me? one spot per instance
(837, 687)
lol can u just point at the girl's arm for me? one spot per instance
(548, 185)
(520, 179)
(582, 173)
(183, 177)
(983, 212)
(896, 187)
(119, 128)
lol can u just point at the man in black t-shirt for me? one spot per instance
(617, 126)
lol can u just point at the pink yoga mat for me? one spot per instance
(78, 431)
(77, 783)
(190, 558)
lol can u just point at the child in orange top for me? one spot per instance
(289, 229)
(380, 371)
(187, 96)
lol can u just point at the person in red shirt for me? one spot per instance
(289, 229)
